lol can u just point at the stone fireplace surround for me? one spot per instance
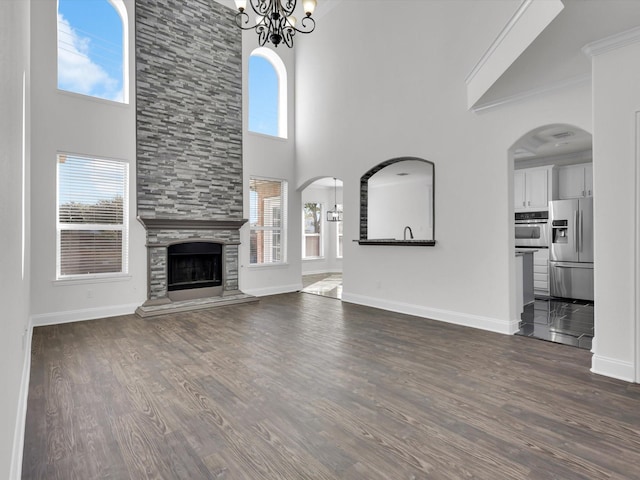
(164, 232)
(189, 176)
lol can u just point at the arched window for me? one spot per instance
(92, 48)
(267, 93)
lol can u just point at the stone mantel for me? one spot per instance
(190, 224)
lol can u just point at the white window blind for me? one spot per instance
(92, 216)
(267, 219)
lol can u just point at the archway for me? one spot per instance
(322, 237)
(552, 197)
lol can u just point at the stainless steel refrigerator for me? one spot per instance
(571, 248)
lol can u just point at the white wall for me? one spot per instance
(329, 262)
(82, 125)
(14, 238)
(269, 157)
(364, 98)
(392, 207)
(616, 103)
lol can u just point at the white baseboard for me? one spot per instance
(611, 367)
(21, 417)
(55, 318)
(263, 292)
(318, 272)
(458, 318)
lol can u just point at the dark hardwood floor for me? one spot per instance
(300, 386)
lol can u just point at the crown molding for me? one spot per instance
(499, 39)
(518, 97)
(612, 42)
(531, 18)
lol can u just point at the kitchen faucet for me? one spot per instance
(410, 232)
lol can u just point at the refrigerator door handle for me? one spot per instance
(576, 226)
(571, 265)
(581, 231)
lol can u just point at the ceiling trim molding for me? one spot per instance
(613, 42)
(530, 19)
(518, 97)
(499, 39)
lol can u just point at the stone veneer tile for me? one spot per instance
(189, 110)
(189, 126)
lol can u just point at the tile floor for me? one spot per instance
(565, 321)
(559, 320)
(326, 285)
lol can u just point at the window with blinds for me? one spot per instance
(312, 230)
(92, 213)
(267, 220)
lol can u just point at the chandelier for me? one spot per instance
(334, 215)
(275, 22)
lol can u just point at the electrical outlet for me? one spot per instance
(89, 293)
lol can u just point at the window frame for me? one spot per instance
(320, 234)
(124, 227)
(281, 73)
(121, 10)
(276, 232)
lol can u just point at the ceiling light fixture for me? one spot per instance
(334, 215)
(275, 22)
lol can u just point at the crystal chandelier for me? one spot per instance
(275, 22)
(334, 215)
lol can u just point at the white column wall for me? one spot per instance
(270, 157)
(66, 122)
(616, 103)
(15, 335)
(363, 98)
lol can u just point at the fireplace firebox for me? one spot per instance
(193, 265)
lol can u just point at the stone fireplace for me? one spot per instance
(191, 259)
(189, 150)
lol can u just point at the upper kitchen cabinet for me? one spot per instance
(532, 188)
(575, 181)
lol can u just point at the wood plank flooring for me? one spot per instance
(305, 387)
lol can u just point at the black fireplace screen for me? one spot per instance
(194, 265)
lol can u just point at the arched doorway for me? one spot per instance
(553, 228)
(322, 237)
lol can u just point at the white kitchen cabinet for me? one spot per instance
(531, 188)
(575, 181)
(588, 179)
(519, 189)
(541, 271)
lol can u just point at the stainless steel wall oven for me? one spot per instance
(532, 229)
